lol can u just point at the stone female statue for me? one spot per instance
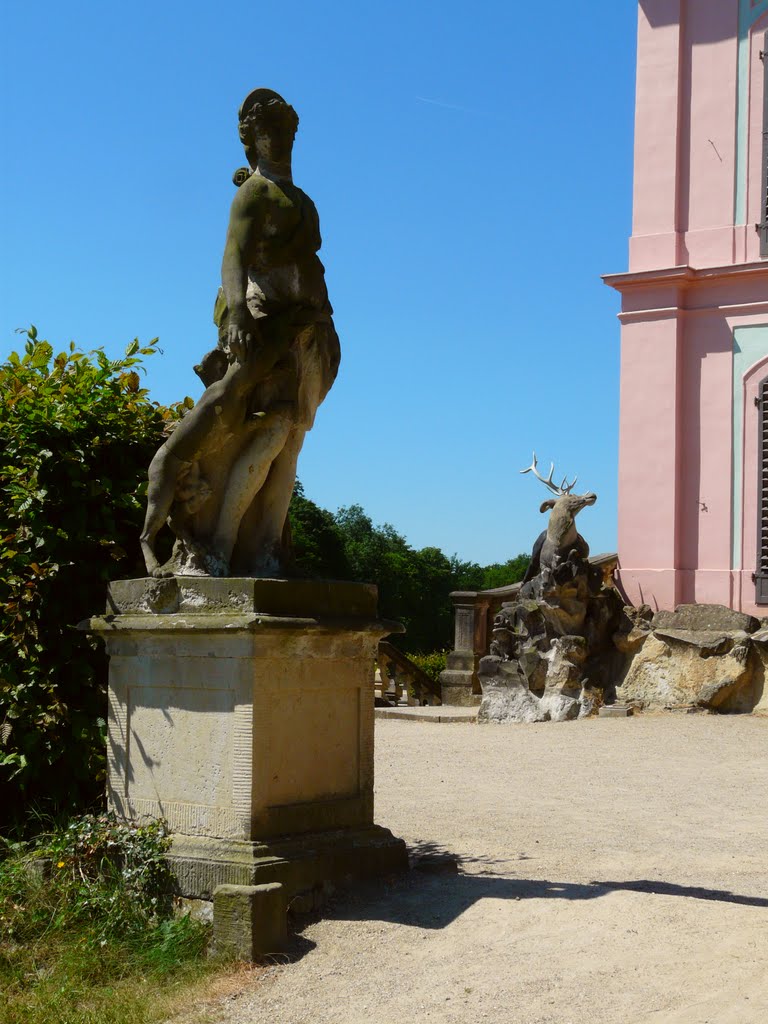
(223, 480)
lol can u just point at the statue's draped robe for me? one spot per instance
(228, 473)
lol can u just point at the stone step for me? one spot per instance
(439, 714)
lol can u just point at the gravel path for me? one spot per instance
(611, 872)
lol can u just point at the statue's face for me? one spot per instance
(272, 132)
(275, 135)
(576, 502)
(572, 503)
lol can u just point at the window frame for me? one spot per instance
(761, 550)
(762, 227)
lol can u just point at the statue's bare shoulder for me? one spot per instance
(261, 199)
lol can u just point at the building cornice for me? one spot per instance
(686, 277)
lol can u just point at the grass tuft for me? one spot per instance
(87, 929)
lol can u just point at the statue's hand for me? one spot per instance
(239, 341)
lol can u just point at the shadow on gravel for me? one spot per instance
(691, 891)
(298, 947)
(425, 855)
(435, 893)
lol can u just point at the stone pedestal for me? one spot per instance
(242, 712)
(459, 682)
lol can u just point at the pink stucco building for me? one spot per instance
(693, 465)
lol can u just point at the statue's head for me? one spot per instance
(569, 504)
(267, 125)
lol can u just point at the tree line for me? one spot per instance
(414, 585)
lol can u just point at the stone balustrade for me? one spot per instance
(399, 677)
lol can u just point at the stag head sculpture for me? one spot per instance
(560, 538)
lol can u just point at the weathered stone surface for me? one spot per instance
(249, 731)
(504, 703)
(197, 909)
(710, 642)
(242, 725)
(457, 680)
(562, 693)
(705, 617)
(757, 699)
(201, 595)
(718, 667)
(631, 642)
(223, 479)
(553, 654)
(534, 667)
(565, 659)
(560, 708)
(677, 670)
(299, 862)
(506, 696)
(38, 867)
(250, 921)
(590, 701)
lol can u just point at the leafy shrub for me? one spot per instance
(77, 432)
(431, 664)
(110, 874)
(84, 935)
(111, 871)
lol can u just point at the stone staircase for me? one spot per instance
(399, 682)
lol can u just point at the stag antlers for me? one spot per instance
(564, 488)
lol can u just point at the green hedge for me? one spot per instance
(77, 432)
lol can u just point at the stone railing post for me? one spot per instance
(460, 685)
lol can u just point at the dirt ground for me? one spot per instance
(612, 871)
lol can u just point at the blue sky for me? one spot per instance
(471, 164)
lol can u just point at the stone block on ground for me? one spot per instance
(759, 643)
(250, 921)
(690, 668)
(503, 702)
(616, 711)
(457, 680)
